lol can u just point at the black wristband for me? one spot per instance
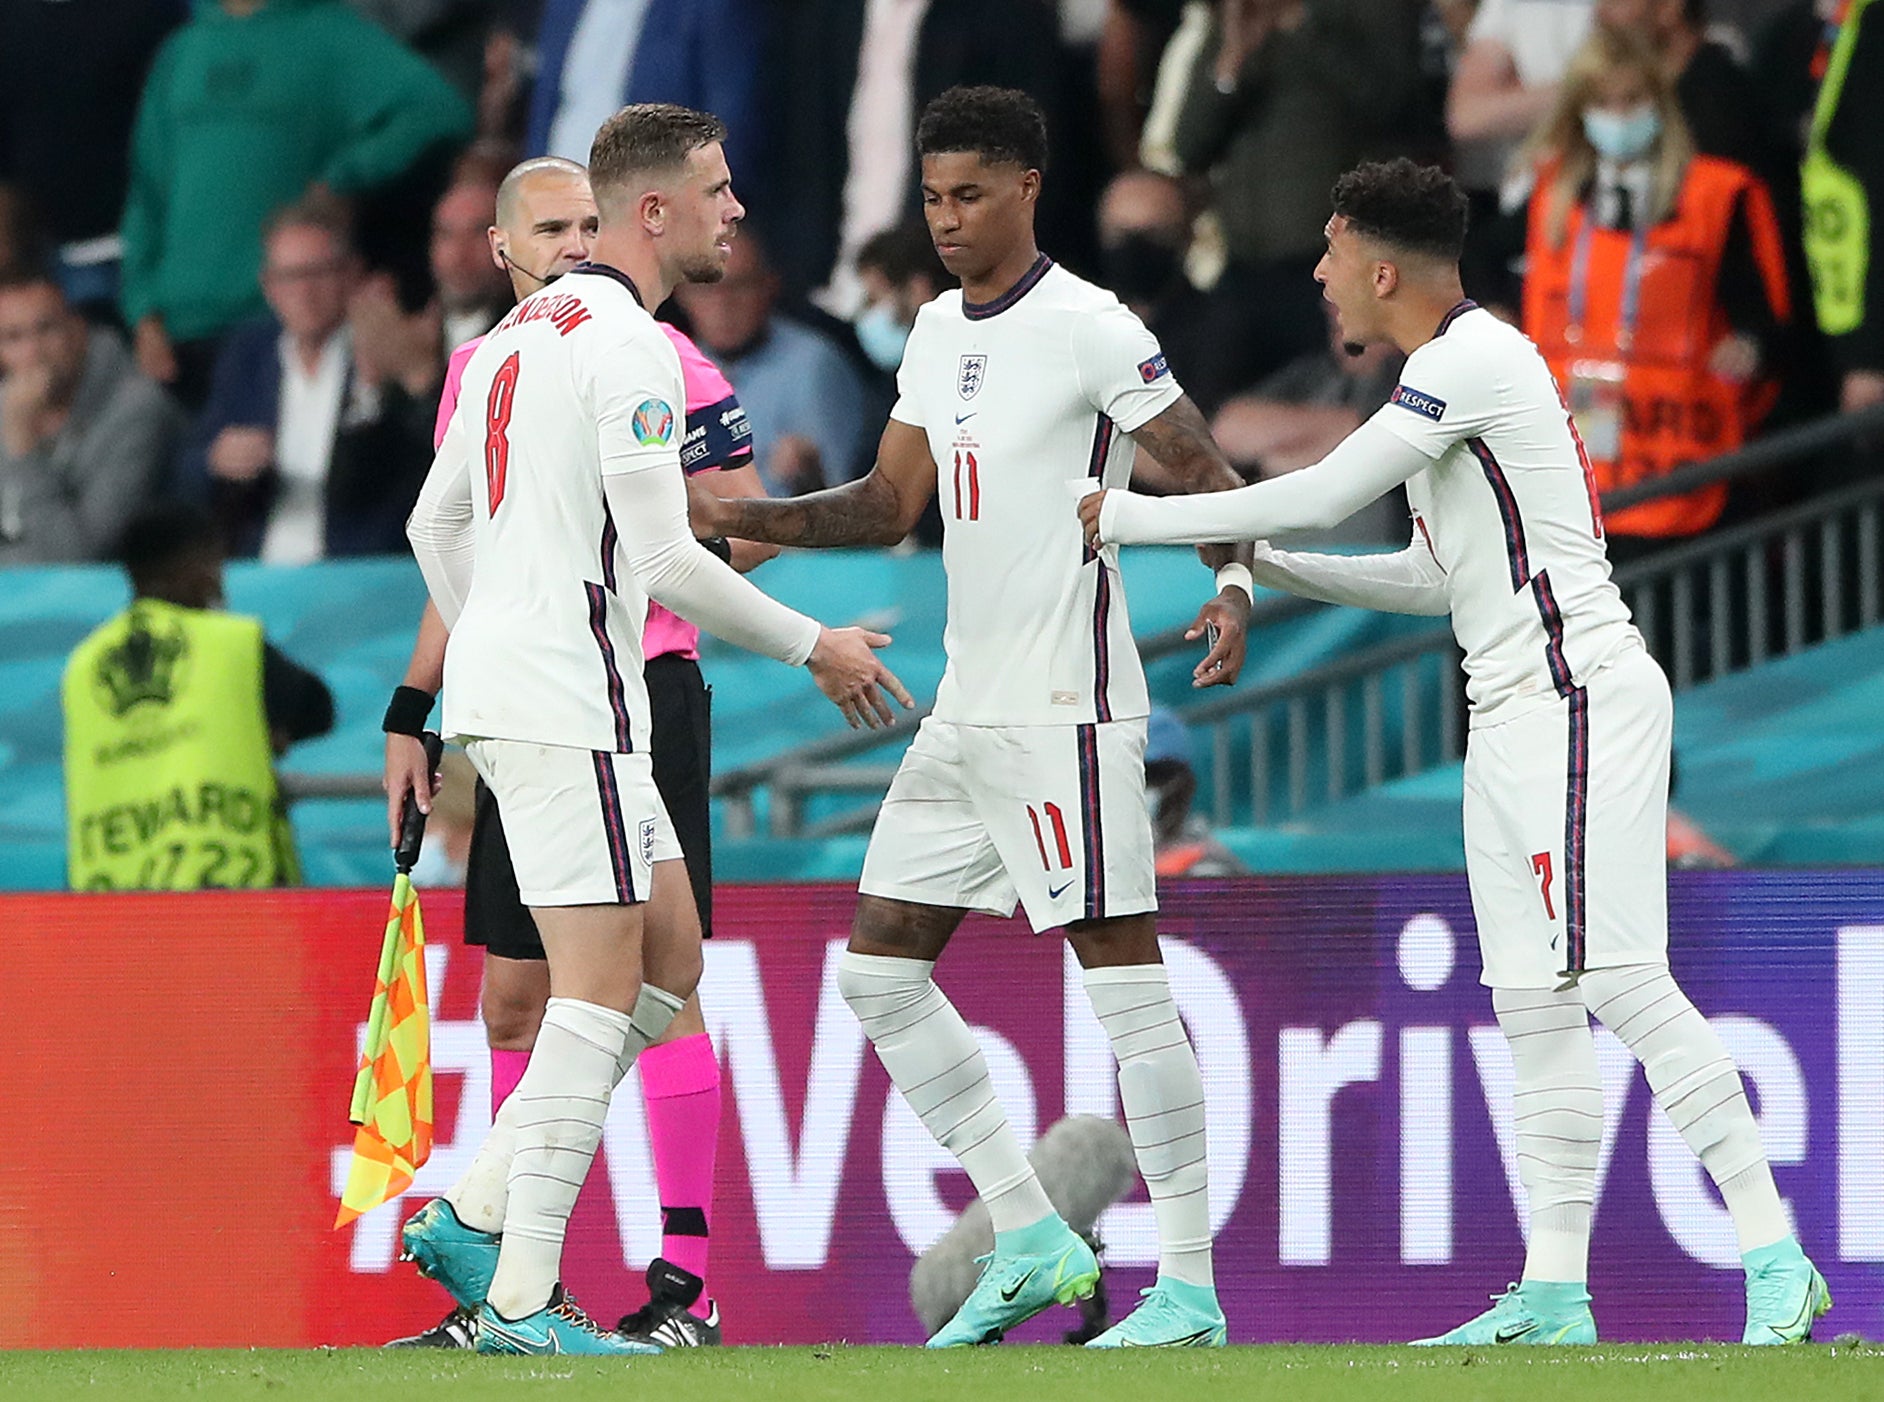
(407, 712)
(720, 546)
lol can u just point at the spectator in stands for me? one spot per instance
(70, 75)
(1285, 95)
(84, 438)
(1725, 110)
(846, 82)
(899, 271)
(1503, 86)
(248, 106)
(1655, 283)
(318, 430)
(1144, 236)
(20, 239)
(174, 712)
(594, 56)
(452, 35)
(1297, 416)
(1182, 844)
(807, 403)
(1824, 64)
(1131, 47)
(473, 289)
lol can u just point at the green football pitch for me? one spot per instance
(1663, 1372)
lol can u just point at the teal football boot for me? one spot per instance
(562, 1326)
(460, 1258)
(1174, 1315)
(1536, 1312)
(1039, 1266)
(1785, 1295)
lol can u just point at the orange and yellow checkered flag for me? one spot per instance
(392, 1091)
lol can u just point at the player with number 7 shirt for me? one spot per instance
(1566, 765)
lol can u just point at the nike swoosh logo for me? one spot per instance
(961, 419)
(1055, 892)
(1199, 1337)
(1009, 1296)
(1506, 1336)
(516, 1342)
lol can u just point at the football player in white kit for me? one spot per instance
(555, 507)
(1566, 767)
(1027, 784)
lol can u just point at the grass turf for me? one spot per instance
(1013, 1374)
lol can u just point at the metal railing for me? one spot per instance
(1710, 606)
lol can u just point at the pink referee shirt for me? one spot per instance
(717, 437)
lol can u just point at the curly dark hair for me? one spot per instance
(1415, 208)
(1004, 126)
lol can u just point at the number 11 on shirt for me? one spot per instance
(967, 508)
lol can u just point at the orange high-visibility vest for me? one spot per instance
(1673, 410)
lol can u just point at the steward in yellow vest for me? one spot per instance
(1842, 182)
(169, 747)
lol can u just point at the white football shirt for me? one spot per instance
(1509, 510)
(576, 383)
(1028, 403)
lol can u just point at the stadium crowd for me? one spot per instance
(239, 238)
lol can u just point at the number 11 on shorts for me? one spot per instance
(1048, 818)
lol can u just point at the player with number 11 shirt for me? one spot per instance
(1018, 393)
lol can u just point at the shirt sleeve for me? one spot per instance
(1441, 399)
(1122, 370)
(907, 409)
(639, 400)
(1492, 20)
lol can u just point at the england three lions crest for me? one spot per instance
(974, 371)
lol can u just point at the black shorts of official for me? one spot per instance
(494, 914)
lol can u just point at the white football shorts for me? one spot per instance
(1566, 830)
(585, 827)
(1053, 817)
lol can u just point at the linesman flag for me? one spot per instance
(392, 1090)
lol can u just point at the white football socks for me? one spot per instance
(1557, 1103)
(936, 1063)
(561, 1103)
(1697, 1084)
(1162, 1092)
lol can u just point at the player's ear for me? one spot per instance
(1030, 185)
(1386, 279)
(495, 240)
(652, 210)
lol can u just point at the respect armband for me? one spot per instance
(407, 712)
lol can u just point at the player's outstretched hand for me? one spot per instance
(1089, 509)
(846, 668)
(1225, 622)
(406, 773)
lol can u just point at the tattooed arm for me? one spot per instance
(1179, 441)
(877, 509)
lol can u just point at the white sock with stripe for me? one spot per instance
(1698, 1086)
(936, 1063)
(561, 1103)
(1163, 1095)
(1558, 1105)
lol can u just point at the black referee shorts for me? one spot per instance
(494, 914)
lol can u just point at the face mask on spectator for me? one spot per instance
(1138, 268)
(881, 336)
(1623, 136)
